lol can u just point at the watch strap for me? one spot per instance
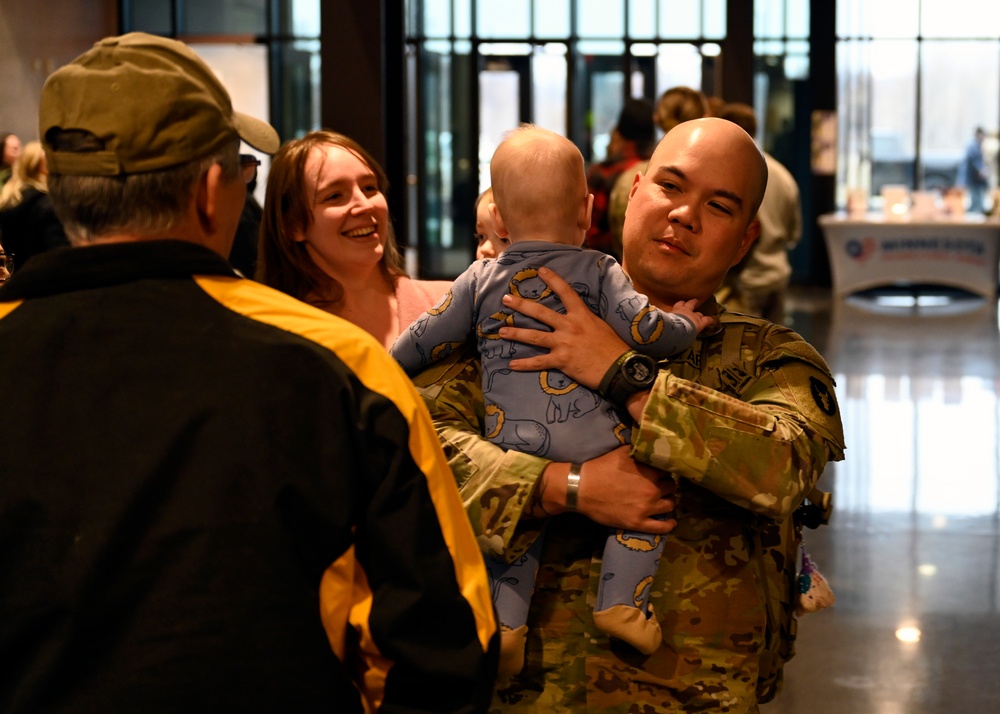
(613, 371)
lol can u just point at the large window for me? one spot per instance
(916, 77)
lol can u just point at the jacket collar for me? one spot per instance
(66, 270)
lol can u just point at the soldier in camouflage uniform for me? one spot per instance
(746, 420)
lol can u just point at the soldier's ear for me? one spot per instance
(749, 236)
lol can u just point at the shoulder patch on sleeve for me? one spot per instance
(823, 396)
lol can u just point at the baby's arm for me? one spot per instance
(642, 325)
(440, 330)
(687, 308)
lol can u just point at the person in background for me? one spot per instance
(745, 419)
(676, 105)
(541, 203)
(759, 283)
(327, 238)
(488, 243)
(679, 104)
(714, 104)
(225, 499)
(10, 149)
(28, 222)
(243, 256)
(632, 142)
(973, 173)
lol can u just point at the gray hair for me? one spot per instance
(92, 207)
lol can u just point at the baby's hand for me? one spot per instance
(687, 309)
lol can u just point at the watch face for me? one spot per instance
(639, 369)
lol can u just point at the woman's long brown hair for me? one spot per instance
(282, 262)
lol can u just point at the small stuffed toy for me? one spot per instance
(814, 592)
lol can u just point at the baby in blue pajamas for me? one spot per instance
(541, 202)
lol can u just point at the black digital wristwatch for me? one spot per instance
(631, 373)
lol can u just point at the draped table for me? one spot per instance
(874, 251)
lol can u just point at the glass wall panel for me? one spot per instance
(852, 20)
(797, 66)
(552, 18)
(606, 92)
(601, 47)
(499, 112)
(549, 73)
(411, 14)
(854, 118)
(465, 169)
(413, 148)
(504, 48)
(677, 64)
(918, 146)
(769, 18)
(893, 71)
(680, 19)
(463, 19)
(437, 184)
(893, 75)
(900, 18)
(797, 20)
(780, 67)
(236, 17)
(600, 18)
(437, 18)
(769, 48)
(303, 18)
(714, 27)
(953, 103)
(299, 102)
(642, 19)
(797, 47)
(152, 16)
(503, 18)
(959, 18)
(781, 19)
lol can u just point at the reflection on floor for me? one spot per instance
(913, 550)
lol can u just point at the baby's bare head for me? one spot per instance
(538, 179)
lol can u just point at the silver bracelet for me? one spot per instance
(573, 486)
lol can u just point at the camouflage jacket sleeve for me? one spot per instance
(755, 424)
(496, 485)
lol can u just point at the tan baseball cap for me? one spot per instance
(151, 100)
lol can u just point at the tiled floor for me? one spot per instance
(913, 550)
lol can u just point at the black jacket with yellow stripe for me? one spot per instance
(215, 497)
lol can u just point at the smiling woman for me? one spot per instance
(327, 238)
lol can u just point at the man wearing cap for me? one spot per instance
(215, 497)
(632, 141)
